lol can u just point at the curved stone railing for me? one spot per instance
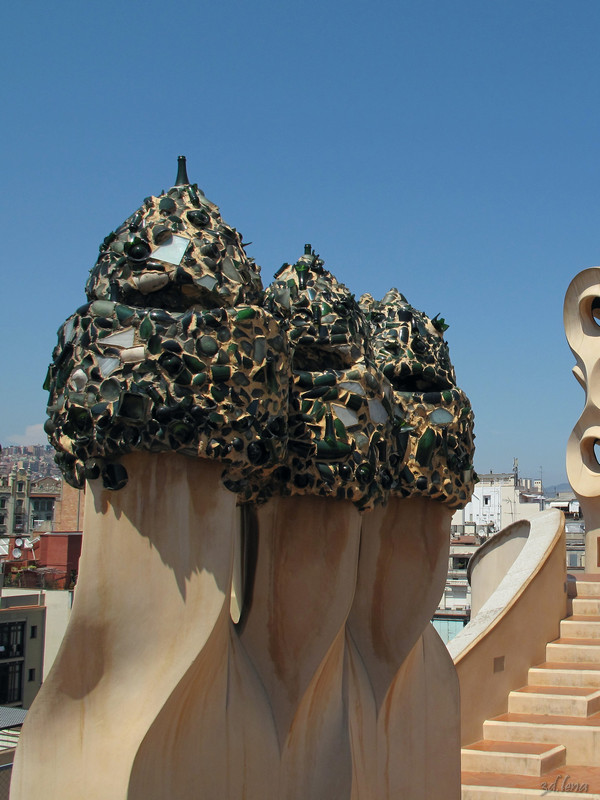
(508, 635)
(490, 562)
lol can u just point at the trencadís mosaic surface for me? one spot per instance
(298, 388)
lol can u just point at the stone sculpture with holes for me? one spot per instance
(581, 318)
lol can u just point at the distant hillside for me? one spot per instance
(560, 487)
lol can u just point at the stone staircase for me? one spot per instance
(548, 743)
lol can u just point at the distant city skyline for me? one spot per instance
(33, 434)
(36, 443)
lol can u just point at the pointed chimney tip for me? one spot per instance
(182, 177)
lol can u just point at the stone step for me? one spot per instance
(580, 735)
(567, 701)
(553, 673)
(574, 650)
(580, 626)
(587, 587)
(586, 605)
(560, 704)
(519, 758)
(486, 786)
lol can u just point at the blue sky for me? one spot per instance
(449, 149)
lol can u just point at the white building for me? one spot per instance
(499, 499)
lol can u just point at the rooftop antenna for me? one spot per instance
(182, 177)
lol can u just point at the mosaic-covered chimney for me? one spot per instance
(296, 389)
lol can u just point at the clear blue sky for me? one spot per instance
(449, 149)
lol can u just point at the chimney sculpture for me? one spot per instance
(270, 477)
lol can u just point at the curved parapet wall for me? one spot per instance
(582, 328)
(229, 439)
(489, 563)
(509, 635)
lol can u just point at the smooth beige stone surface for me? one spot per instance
(153, 582)
(332, 684)
(424, 725)
(293, 633)
(494, 558)
(402, 572)
(214, 737)
(570, 703)
(512, 758)
(303, 588)
(411, 748)
(403, 697)
(582, 741)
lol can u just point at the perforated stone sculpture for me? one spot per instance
(582, 327)
(270, 477)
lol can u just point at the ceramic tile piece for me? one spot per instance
(352, 386)
(172, 251)
(69, 329)
(348, 417)
(149, 282)
(441, 416)
(107, 365)
(78, 379)
(133, 355)
(377, 411)
(122, 338)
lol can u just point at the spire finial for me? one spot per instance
(182, 178)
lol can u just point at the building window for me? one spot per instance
(31, 674)
(20, 486)
(33, 632)
(11, 639)
(11, 682)
(486, 499)
(43, 505)
(460, 562)
(2, 502)
(42, 511)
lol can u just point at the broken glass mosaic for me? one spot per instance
(295, 389)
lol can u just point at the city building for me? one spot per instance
(44, 493)
(37, 459)
(14, 501)
(454, 610)
(41, 523)
(33, 505)
(22, 628)
(499, 499)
